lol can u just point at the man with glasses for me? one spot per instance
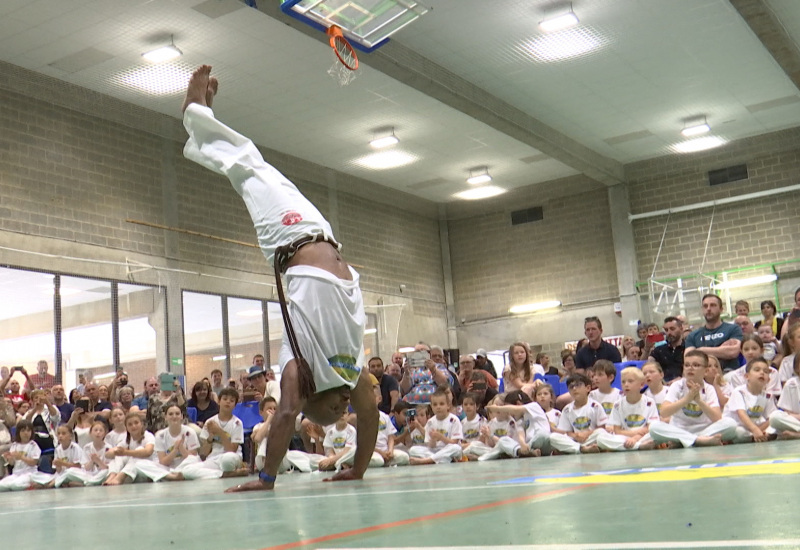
(670, 355)
(597, 348)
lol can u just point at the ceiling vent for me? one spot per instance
(727, 175)
(528, 215)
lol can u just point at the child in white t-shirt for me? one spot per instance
(545, 395)
(753, 348)
(443, 435)
(603, 374)
(339, 439)
(472, 427)
(95, 468)
(769, 341)
(533, 427)
(581, 420)
(417, 419)
(693, 407)
(787, 420)
(140, 445)
(628, 426)
(24, 456)
(68, 459)
(656, 390)
(176, 449)
(750, 406)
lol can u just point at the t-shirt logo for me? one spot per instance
(500, 432)
(634, 420)
(607, 406)
(381, 425)
(291, 218)
(692, 410)
(471, 434)
(338, 442)
(345, 366)
(582, 423)
(755, 412)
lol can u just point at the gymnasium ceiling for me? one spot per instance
(467, 85)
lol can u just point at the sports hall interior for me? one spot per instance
(600, 206)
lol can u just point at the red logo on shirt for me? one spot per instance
(291, 218)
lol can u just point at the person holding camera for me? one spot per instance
(119, 382)
(14, 393)
(7, 421)
(422, 375)
(171, 394)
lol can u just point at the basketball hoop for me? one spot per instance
(345, 62)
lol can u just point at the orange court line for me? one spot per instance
(438, 515)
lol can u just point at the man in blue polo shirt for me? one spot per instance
(722, 340)
(597, 348)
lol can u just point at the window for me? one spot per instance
(202, 336)
(141, 314)
(245, 333)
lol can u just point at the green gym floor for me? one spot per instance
(743, 496)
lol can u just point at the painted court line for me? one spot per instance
(768, 543)
(440, 515)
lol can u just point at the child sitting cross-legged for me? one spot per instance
(501, 436)
(750, 405)
(787, 420)
(95, 468)
(176, 449)
(24, 455)
(443, 434)
(603, 374)
(533, 428)
(580, 421)
(545, 395)
(654, 377)
(627, 428)
(339, 439)
(139, 446)
(68, 459)
(294, 460)
(472, 425)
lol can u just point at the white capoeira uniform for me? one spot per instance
(116, 439)
(73, 454)
(165, 443)
(129, 465)
(738, 378)
(553, 416)
(789, 402)
(385, 430)
(90, 473)
(219, 460)
(294, 460)
(786, 370)
(442, 452)
(327, 312)
(658, 397)
(504, 434)
(590, 416)
(472, 436)
(690, 422)
(757, 407)
(606, 400)
(25, 476)
(628, 416)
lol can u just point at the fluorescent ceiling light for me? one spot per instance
(752, 281)
(155, 79)
(698, 144)
(559, 22)
(164, 53)
(538, 306)
(250, 313)
(563, 45)
(696, 129)
(219, 358)
(384, 139)
(480, 193)
(406, 349)
(386, 160)
(370, 331)
(479, 175)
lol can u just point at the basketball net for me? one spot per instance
(341, 74)
(345, 59)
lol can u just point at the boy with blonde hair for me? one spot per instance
(628, 427)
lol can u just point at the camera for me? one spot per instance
(411, 414)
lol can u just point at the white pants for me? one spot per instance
(213, 467)
(87, 478)
(21, 482)
(156, 471)
(280, 213)
(782, 421)
(565, 444)
(611, 442)
(70, 474)
(477, 448)
(300, 461)
(399, 458)
(662, 432)
(505, 446)
(448, 453)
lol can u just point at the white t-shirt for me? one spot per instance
(116, 439)
(385, 430)
(691, 417)
(83, 436)
(787, 368)
(89, 451)
(328, 317)
(233, 427)
(534, 421)
(790, 397)
(165, 443)
(536, 368)
(657, 397)
(588, 417)
(336, 440)
(472, 428)
(757, 407)
(73, 454)
(553, 416)
(418, 437)
(606, 400)
(29, 450)
(630, 416)
(502, 428)
(738, 378)
(450, 427)
(147, 439)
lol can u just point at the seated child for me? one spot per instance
(716, 380)
(220, 442)
(500, 437)
(176, 447)
(400, 423)
(471, 426)
(787, 420)
(95, 468)
(693, 406)
(417, 420)
(628, 426)
(753, 348)
(546, 397)
(294, 459)
(769, 341)
(532, 425)
(603, 374)
(443, 434)
(140, 445)
(656, 390)
(68, 459)
(750, 406)
(580, 421)
(339, 439)
(24, 456)
(790, 346)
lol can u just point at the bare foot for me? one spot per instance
(177, 476)
(589, 449)
(413, 461)
(647, 446)
(789, 435)
(708, 441)
(198, 88)
(527, 453)
(255, 485)
(345, 475)
(211, 91)
(240, 472)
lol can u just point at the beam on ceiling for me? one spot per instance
(412, 69)
(772, 34)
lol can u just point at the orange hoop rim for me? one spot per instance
(338, 41)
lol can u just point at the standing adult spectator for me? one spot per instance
(60, 402)
(390, 388)
(150, 389)
(16, 394)
(482, 362)
(216, 381)
(41, 380)
(596, 348)
(670, 354)
(770, 313)
(8, 419)
(262, 385)
(717, 338)
(97, 405)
